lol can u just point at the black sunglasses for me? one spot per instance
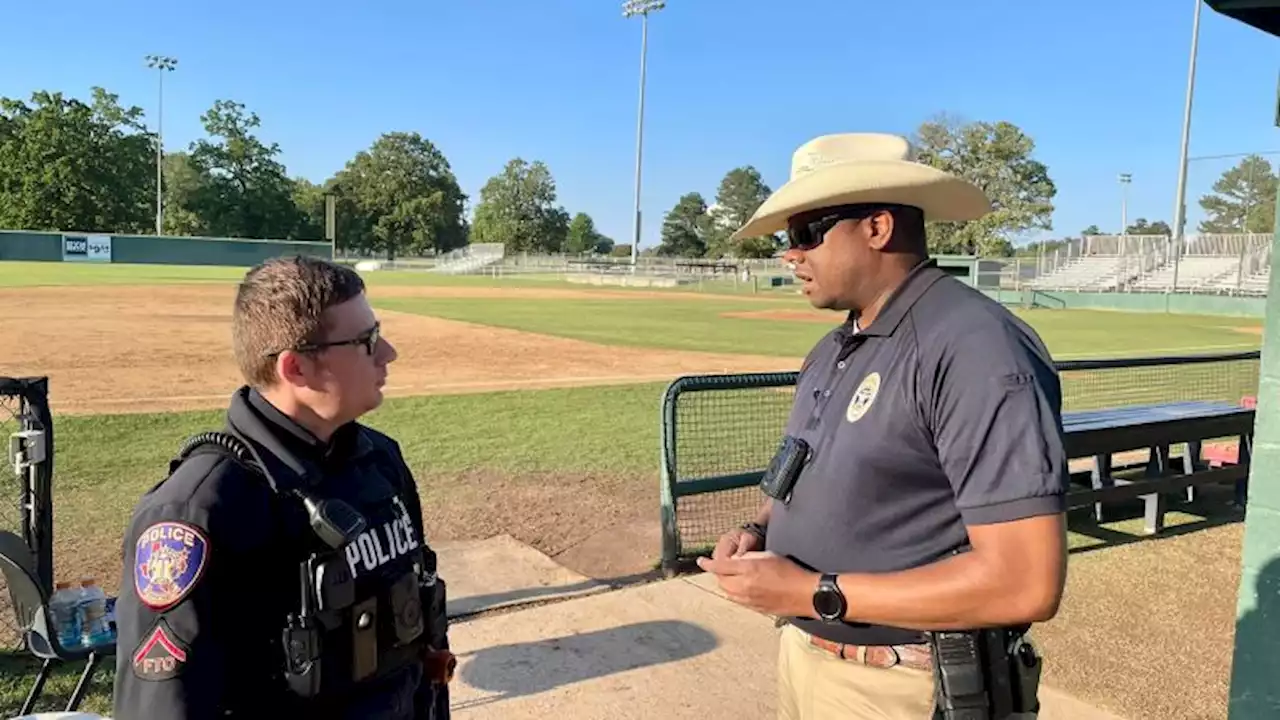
(369, 339)
(808, 230)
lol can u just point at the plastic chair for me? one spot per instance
(31, 606)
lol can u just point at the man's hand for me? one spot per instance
(734, 543)
(765, 582)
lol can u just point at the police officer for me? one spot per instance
(282, 569)
(918, 495)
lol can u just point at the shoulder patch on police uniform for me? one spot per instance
(863, 397)
(170, 557)
(160, 656)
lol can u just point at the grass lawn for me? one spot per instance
(683, 324)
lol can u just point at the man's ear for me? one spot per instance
(294, 368)
(880, 229)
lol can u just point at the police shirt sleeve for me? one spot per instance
(995, 417)
(190, 619)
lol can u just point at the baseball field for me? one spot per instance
(530, 407)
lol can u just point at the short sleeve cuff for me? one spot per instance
(1015, 510)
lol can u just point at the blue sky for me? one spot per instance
(1099, 85)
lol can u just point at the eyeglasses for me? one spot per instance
(808, 230)
(369, 339)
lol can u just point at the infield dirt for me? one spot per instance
(168, 348)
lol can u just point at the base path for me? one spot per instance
(114, 349)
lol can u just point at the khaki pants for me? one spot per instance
(815, 685)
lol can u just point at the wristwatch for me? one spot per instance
(828, 601)
(756, 529)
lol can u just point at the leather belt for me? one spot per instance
(916, 657)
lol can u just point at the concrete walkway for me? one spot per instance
(672, 649)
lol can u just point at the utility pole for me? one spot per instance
(163, 64)
(1125, 179)
(632, 8)
(1180, 206)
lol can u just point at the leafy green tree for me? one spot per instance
(1243, 199)
(685, 228)
(742, 191)
(582, 236)
(1142, 227)
(244, 190)
(518, 208)
(997, 157)
(400, 196)
(70, 165)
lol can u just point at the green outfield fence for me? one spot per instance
(720, 431)
(80, 247)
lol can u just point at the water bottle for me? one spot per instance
(65, 616)
(94, 629)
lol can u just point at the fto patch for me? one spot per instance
(160, 656)
(863, 397)
(169, 558)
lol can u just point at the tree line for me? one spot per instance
(68, 164)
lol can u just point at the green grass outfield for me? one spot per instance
(104, 462)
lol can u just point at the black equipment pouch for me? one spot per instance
(785, 468)
(302, 656)
(984, 674)
(364, 640)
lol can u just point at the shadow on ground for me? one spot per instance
(529, 668)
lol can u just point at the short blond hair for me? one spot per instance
(280, 305)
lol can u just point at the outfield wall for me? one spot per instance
(1179, 303)
(149, 249)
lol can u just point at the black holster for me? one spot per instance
(984, 674)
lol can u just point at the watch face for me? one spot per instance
(827, 603)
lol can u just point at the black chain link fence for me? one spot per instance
(721, 431)
(26, 438)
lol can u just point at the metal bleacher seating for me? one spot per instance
(1212, 264)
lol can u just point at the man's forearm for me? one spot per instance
(959, 592)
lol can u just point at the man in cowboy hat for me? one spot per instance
(920, 485)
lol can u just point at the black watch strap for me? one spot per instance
(755, 528)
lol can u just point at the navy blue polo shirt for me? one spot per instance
(945, 412)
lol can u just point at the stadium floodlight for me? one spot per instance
(630, 9)
(1125, 179)
(163, 64)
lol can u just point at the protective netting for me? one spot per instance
(729, 426)
(724, 432)
(1086, 386)
(25, 508)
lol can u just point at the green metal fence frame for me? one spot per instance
(673, 488)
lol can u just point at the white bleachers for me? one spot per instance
(470, 259)
(1194, 273)
(1091, 272)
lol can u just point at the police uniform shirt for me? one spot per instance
(211, 571)
(944, 411)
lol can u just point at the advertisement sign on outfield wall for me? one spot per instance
(86, 248)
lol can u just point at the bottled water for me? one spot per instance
(94, 628)
(64, 614)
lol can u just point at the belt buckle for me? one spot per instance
(880, 656)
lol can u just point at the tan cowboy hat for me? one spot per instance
(851, 168)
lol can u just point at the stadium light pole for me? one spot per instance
(163, 64)
(1125, 179)
(1180, 207)
(630, 9)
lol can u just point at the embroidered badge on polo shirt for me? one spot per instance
(170, 557)
(863, 397)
